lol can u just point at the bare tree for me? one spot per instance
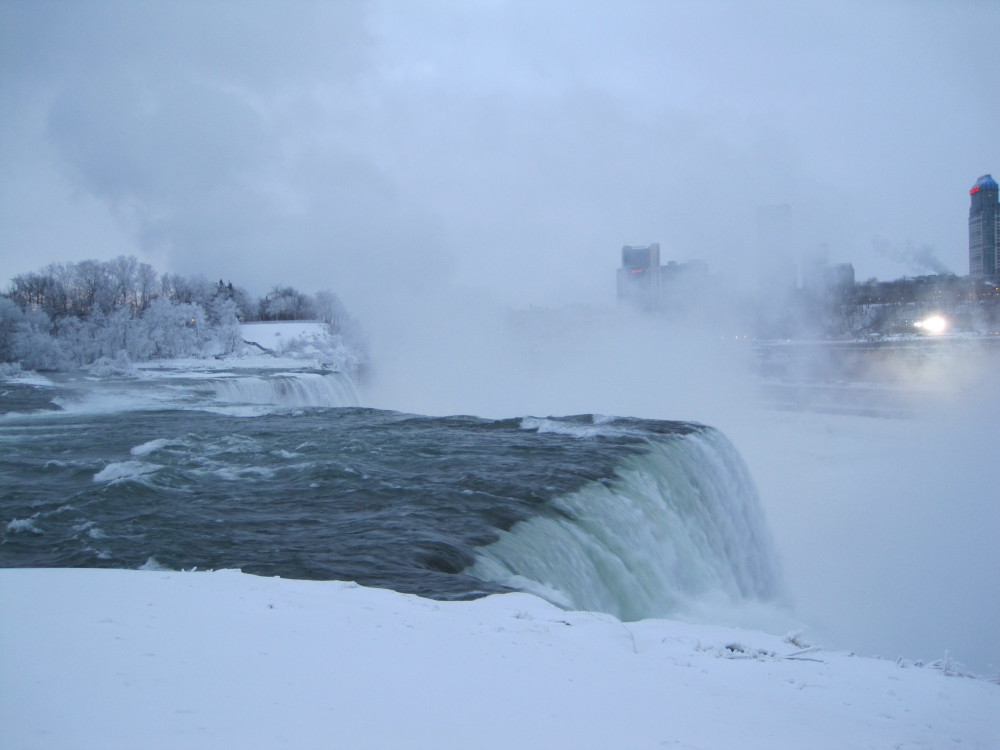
(95, 290)
(146, 280)
(123, 272)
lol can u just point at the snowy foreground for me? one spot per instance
(151, 659)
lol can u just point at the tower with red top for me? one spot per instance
(984, 228)
(639, 277)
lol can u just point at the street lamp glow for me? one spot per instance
(933, 324)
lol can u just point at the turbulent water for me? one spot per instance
(284, 474)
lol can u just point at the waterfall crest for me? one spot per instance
(301, 389)
(678, 523)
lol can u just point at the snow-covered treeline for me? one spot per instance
(74, 314)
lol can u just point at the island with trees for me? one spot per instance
(92, 313)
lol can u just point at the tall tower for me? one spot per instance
(984, 228)
(639, 277)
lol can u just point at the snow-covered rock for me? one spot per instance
(303, 340)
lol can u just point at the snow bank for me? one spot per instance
(304, 339)
(287, 336)
(275, 335)
(124, 659)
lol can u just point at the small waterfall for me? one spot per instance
(677, 524)
(289, 389)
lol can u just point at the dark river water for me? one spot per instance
(628, 516)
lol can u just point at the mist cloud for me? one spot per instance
(919, 260)
(511, 147)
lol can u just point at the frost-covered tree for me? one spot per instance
(195, 290)
(223, 312)
(175, 330)
(125, 332)
(246, 305)
(33, 345)
(11, 316)
(121, 311)
(286, 303)
(329, 309)
(77, 338)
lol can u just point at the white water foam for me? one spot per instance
(91, 529)
(152, 564)
(146, 448)
(678, 524)
(571, 429)
(121, 470)
(24, 525)
(25, 377)
(240, 393)
(259, 410)
(98, 396)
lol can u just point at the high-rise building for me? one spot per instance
(984, 228)
(639, 277)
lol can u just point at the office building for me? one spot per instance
(639, 277)
(984, 228)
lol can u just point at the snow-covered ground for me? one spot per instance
(278, 335)
(149, 659)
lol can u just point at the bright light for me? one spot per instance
(933, 324)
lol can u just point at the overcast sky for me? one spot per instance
(505, 147)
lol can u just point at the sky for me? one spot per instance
(497, 149)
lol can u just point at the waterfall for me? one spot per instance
(678, 523)
(289, 389)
